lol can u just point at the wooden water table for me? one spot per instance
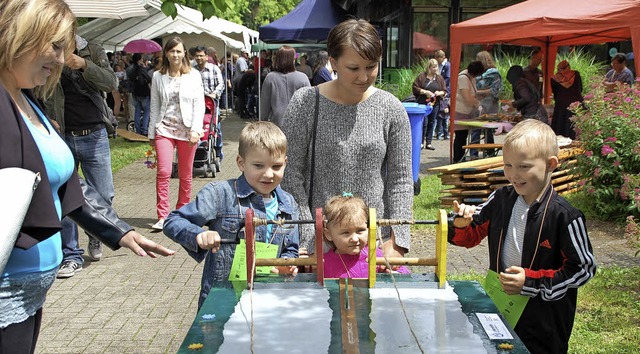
(385, 313)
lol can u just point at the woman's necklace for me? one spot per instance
(27, 110)
(344, 265)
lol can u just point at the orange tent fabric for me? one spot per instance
(548, 24)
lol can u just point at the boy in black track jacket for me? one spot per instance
(538, 242)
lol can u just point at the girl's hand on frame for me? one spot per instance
(209, 240)
(285, 270)
(303, 253)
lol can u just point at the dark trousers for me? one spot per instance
(429, 125)
(459, 141)
(21, 338)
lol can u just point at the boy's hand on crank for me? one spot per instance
(209, 240)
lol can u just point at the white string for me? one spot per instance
(395, 286)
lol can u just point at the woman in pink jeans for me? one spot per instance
(177, 109)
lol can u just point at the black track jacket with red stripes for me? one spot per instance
(557, 260)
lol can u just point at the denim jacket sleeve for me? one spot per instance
(184, 224)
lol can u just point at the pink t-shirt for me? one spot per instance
(352, 266)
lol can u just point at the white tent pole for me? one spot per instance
(259, 76)
(226, 89)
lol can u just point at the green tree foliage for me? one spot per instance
(250, 13)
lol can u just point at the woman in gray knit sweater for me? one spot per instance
(363, 138)
(280, 84)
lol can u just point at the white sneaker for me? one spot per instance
(159, 225)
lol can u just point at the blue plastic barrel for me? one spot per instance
(416, 113)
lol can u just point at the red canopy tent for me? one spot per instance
(549, 24)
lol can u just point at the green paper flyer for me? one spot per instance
(511, 306)
(239, 265)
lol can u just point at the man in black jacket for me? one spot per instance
(138, 75)
(79, 107)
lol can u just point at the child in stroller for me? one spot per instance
(207, 157)
(208, 154)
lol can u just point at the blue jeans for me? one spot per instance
(141, 119)
(93, 154)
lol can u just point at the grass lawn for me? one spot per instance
(608, 313)
(124, 152)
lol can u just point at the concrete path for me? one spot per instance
(128, 304)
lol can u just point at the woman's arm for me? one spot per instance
(417, 85)
(398, 188)
(297, 125)
(525, 94)
(198, 106)
(265, 97)
(155, 104)
(469, 97)
(100, 220)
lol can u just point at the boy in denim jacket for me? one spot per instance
(537, 241)
(221, 206)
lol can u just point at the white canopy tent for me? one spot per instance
(108, 8)
(113, 34)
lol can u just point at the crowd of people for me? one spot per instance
(323, 119)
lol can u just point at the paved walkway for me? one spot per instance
(127, 304)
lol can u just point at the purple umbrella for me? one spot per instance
(142, 46)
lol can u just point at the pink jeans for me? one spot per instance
(164, 153)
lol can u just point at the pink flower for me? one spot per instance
(589, 96)
(596, 172)
(627, 99)
(588, 153)
(606, 98)
(581, 182)
(612, 139)
(598, 132)
(618, 113)
(606, 150)
(616, 163)
(591, 190)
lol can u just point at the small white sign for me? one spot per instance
(493, 326)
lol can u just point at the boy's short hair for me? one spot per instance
(344, 209)
(532, 134)
(262, 135)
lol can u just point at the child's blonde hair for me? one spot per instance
(534, 135)
(344, 210)
(262, 135)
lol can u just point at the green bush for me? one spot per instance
(403, 81)
(608, 127)
(579, 60)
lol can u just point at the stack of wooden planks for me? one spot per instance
(471, 182)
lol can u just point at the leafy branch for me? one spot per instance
(208, 8)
